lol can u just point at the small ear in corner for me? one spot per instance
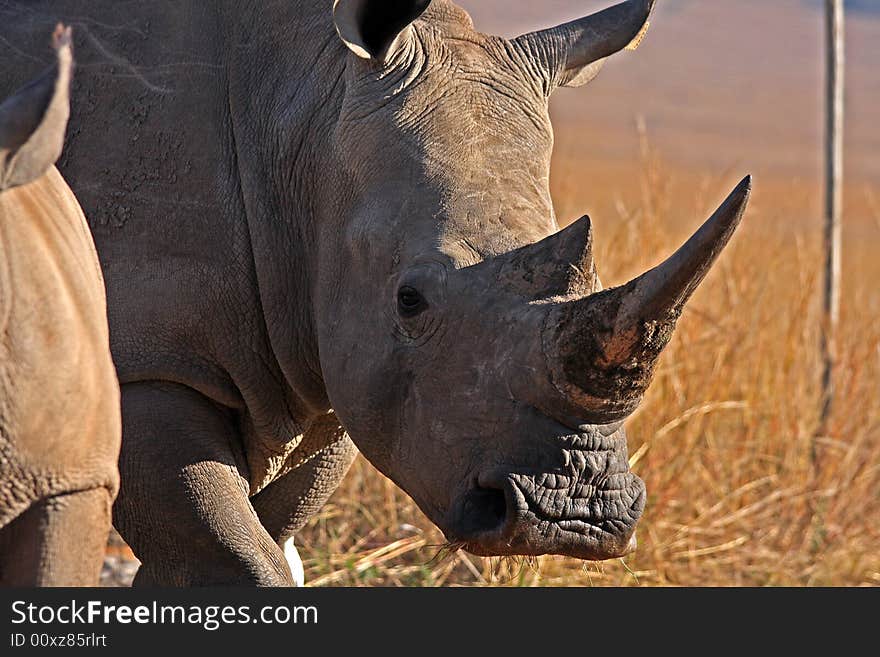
(373, 29)
(33, 120)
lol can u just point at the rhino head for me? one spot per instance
(467, 344)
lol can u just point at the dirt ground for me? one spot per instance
(120, 565)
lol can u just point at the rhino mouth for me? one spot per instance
(578, 510)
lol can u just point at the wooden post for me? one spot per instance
(834, 126)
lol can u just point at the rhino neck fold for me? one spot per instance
(283, 98)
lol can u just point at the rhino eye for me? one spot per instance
(409, 302)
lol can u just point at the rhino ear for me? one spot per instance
(373, 29)
(572, 54)
(34, 119)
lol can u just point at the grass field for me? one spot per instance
(742, 490)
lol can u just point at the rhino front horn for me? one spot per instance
(602, 349)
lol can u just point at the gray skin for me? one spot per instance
(60, 424)
(319, 223)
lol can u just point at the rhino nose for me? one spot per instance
(484, 512)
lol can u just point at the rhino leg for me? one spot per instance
(286, 504)
(59, 541)
(183, 505)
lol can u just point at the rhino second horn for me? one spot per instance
(561, 264)
(602, 349)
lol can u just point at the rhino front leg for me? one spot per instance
(286, 504)
(59, 541)
(183, 506)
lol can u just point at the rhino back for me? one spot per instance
(144, 154)
(175, 152)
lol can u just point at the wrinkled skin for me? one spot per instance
(59, 400)
(317, 225)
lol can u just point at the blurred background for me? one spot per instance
(735, 85)
(744, 488)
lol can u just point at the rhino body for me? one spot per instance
(324, 225)
(59, 399)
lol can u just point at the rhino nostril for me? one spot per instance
(485, 510)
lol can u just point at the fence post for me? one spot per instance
(834, 127)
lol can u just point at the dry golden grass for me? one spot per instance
(741, 490)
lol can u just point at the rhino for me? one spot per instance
(60, 422)
(328, 229)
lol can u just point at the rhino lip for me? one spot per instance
(510, 513)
